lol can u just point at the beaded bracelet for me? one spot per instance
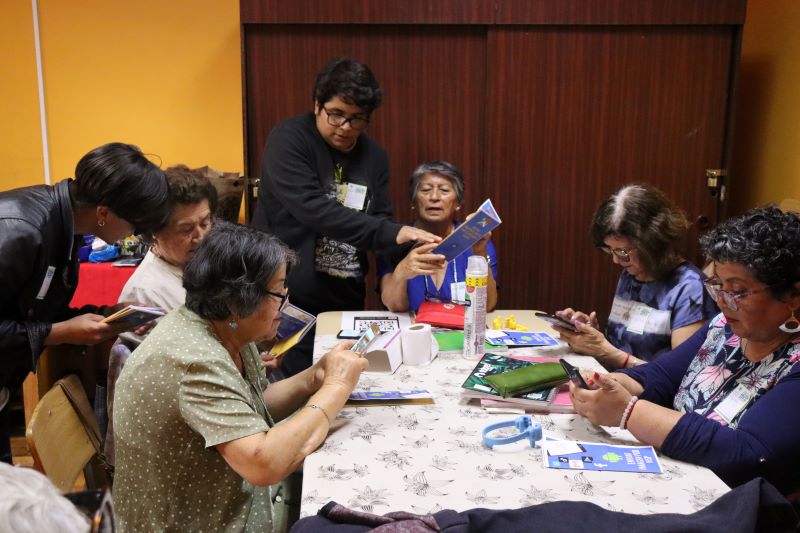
(626, 414)
(324, 413)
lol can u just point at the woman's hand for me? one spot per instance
(603, 405)
(85, 329)
(590, 341)
(340, 367)
(420, 261)
(479, 248)
(571, 315)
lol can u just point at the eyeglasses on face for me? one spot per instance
(338, 120)
(729, 298)
(282, 296)
(622, 254)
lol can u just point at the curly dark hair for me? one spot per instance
(186, 187)
(229, 272)
(766, 241)
(351, 81)
(644, 216)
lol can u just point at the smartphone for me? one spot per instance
(348, 334)
(574, 374)
(369, 335)
(556, 321)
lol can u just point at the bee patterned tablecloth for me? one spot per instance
(424, 458)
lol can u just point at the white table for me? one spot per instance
(424, 458)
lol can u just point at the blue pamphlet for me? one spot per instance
(293, 319)
(390, 397)
(519, 338)
(573, 455)
(470, 232)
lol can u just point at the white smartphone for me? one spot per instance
(369, 335)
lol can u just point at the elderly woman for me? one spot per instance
(197, 445)
(727, 397)
(416, 274)
(659, 301)
(158, 280)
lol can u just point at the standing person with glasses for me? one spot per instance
(324, 192)
(726, 398)
(414, 274)
(660, 301)
(197, 441)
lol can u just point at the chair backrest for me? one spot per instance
(62, 434)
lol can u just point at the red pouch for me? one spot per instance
(445, 315)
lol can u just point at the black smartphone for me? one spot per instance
(348, 334)
(556, 321)
(574, 374)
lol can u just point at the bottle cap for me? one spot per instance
(476, 264)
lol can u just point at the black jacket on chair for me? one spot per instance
(38, 273)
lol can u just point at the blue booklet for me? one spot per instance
(470, 232)
(574, 455)
(293, 319)
(519, 338)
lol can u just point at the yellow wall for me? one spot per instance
(163, 75)
(166, 75)
(765, 166)
(20, 136)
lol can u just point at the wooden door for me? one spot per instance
(575, 112)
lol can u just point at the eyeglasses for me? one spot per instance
(621, 253)
(729, 298)
(282, 296)
(339, 120)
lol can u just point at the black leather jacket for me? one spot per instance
(38, 273)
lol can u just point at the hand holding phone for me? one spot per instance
(574, 374)
(556, 321)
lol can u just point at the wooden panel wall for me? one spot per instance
(547, 113)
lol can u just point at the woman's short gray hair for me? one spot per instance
(228, 274)
(441, 168)
(766, 241)
(29, 503)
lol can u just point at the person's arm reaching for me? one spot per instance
(418, 262)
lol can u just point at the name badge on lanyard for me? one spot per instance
(48, 279)
(352, 195)
(458, 291)
(638, 318)
(734, 403)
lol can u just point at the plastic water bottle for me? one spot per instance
(475, 315)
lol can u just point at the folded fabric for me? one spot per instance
(531, 378)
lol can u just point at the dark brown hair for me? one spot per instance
(644, 216)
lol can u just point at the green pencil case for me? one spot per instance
(531, 378)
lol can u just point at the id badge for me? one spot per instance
(458, 291)
(734, 403)
(638, 318)
(48, 279)
(354, 196)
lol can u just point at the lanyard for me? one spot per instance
(455, 279)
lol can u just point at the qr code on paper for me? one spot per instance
(385, 323)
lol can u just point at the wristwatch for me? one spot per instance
(528, 429)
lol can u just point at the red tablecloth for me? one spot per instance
(100, 284)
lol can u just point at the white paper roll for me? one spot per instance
(417, 341)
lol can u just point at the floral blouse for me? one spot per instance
(720, 371)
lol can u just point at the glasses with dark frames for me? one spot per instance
(282, 296)
(338, 120)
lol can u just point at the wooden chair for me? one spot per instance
(63, 435)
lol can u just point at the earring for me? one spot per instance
(101, 223)
(233, 324)
(792, 325)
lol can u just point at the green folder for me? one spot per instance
(454, 340)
